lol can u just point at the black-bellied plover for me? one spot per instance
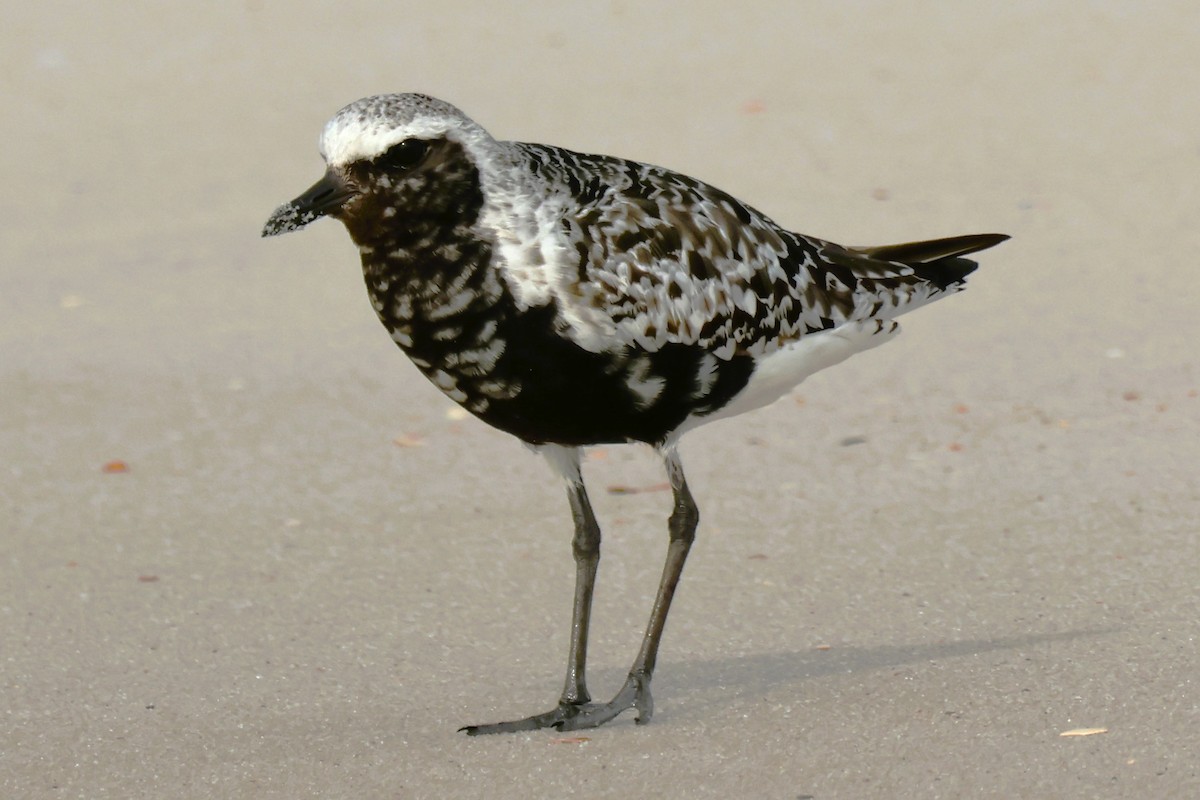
(576, 300)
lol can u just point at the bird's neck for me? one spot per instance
(423, 277)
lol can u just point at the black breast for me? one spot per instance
(568, 395)
(429, 274)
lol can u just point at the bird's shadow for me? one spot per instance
(702, 686)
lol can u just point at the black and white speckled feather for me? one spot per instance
(577, 299)
(572, 300)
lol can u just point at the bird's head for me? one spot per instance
(388, 158)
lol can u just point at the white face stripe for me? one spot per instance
(346, 140)
(366, 128)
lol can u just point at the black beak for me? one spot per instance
(323, 197)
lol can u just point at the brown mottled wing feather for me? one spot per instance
(669, 259)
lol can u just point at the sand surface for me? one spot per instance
(912, 576)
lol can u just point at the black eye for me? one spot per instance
(404, 155)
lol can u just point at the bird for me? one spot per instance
(574, 300)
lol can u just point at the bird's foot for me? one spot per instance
(551, 718)
(634, 694)
(580, 716)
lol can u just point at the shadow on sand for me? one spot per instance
(695, 688)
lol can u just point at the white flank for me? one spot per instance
(781, 371)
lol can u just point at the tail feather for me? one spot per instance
(938, 261)
(913, 253)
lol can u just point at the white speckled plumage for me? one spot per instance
(636, 256)
(574, 299)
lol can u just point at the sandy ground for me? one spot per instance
(912, 576)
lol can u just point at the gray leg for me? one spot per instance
(636, 691)
(586, 547)
(574, 710)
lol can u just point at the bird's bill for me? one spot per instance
(323, 197)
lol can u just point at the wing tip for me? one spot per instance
(929, 251)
